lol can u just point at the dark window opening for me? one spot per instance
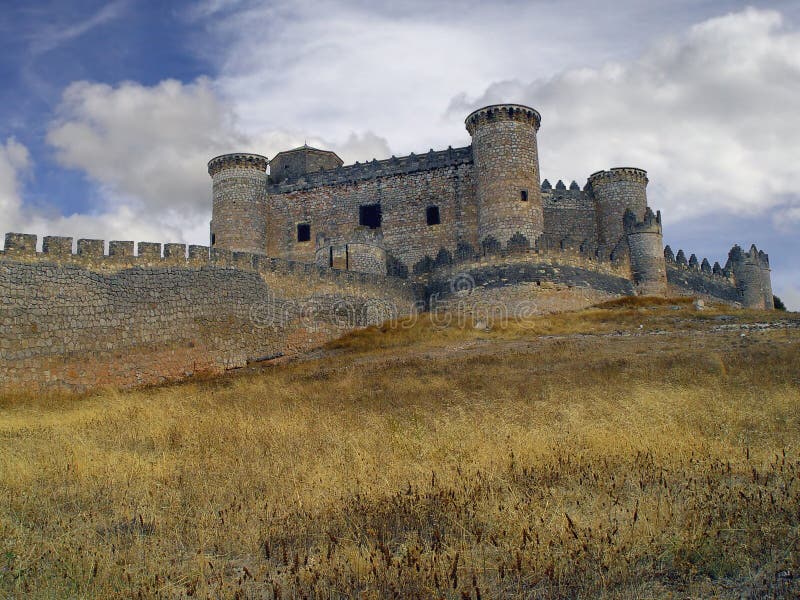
(213, 239)
(303, 232)
(524, 195)
(432, 215)
(369, 215)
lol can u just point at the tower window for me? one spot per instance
(432, 215)
(303, 232)
(523, 195)
(213, 239)
(369, 215)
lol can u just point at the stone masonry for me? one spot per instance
(412, 215)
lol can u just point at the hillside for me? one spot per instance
(636, 449)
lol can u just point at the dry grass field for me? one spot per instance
(630, 451)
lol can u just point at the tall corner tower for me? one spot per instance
(615, 192)
(239, 213)
(646, 245)
(506, 160)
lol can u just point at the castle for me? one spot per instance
(414, 214)
(303, 248)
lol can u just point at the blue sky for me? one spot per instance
(111, 109)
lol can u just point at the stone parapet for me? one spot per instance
(503, 112)
(241, 160)
(374, 169)
(631, 174)
(679, 262)
(22, 248)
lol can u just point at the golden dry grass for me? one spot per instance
(578, 465)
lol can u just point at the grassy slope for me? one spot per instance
(430, 461)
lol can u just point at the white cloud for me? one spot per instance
(332, 68)
(712, 116)
(49, 37)
(362, 147)
(15, 163)
(16, 167)
(142, 144)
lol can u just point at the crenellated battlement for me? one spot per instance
(563, 197)
(754, 256)
(90, 254)
(703, 267)
(619, 174)
(503, 112)
(651, 223)
(237, 160)
(396, 165)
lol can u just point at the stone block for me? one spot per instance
(149, 250)
(57, 246)
(175, 253)
(91, 248)
(120, 249)
(20, 243)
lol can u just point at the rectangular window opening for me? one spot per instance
(523, 194)
(303, 232)
(432, 215)
(369, 215)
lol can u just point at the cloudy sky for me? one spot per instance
(110, 110)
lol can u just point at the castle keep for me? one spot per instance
(303, 248)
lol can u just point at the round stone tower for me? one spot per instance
(615, 192)
(646, 245)
(507, 170)
(751, 273)
(239, 213)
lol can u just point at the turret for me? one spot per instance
(615, 192)
(645, 242)
(752, 275)
(239, 213)
(507, 170)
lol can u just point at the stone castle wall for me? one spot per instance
(683, 281)
(497, 288)
(89, 319)
(693, 277)
(329, 202)
(569, 213)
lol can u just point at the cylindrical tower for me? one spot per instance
(239, 213)
(615, 192)
(646, 245)
(506, 161)
(752, 276)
